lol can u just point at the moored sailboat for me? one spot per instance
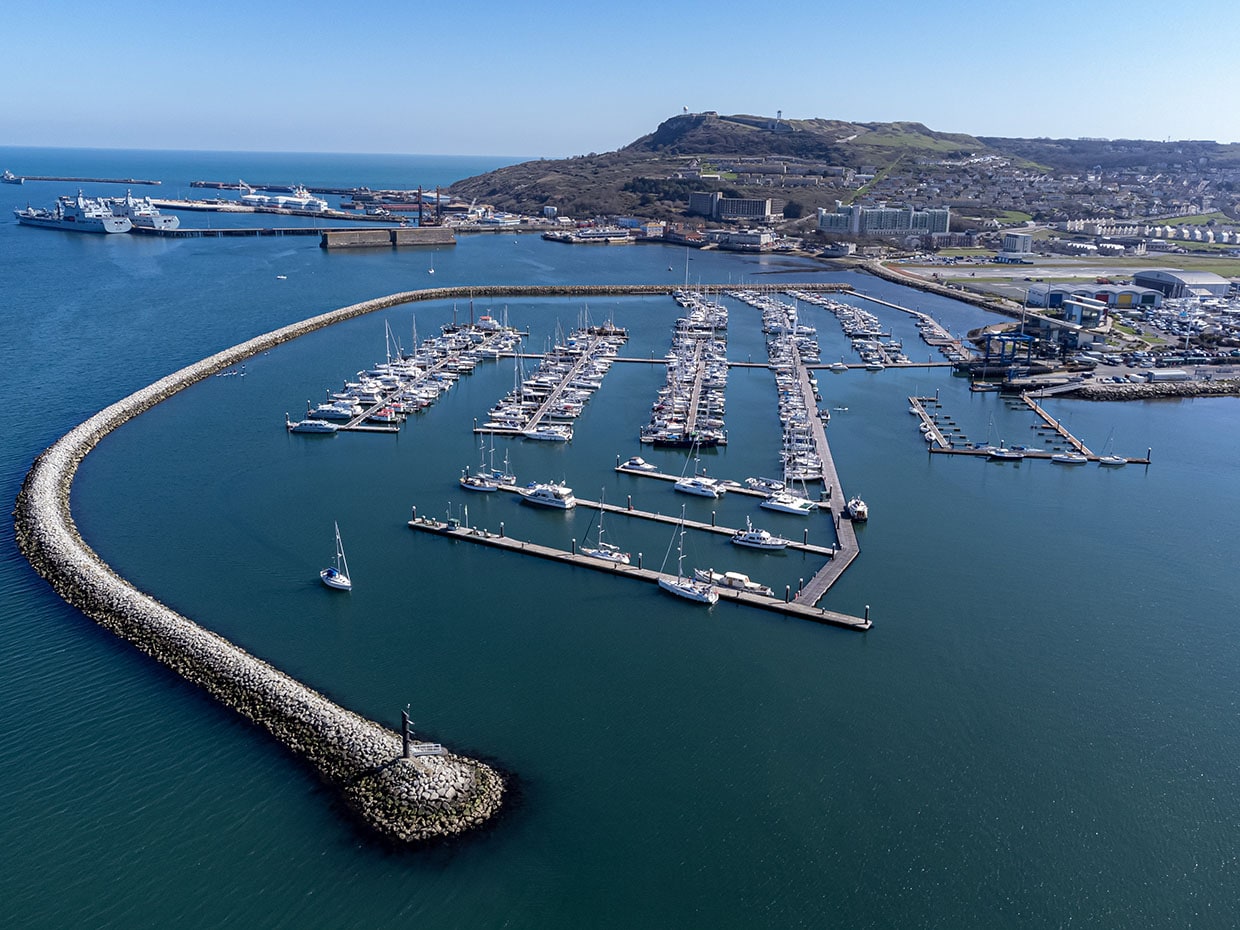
(605, 550)
(697, 591)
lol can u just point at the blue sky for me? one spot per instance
(551, 79)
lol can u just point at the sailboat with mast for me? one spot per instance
(337, 575)
(605, 550)
(697, 483)
(483, 479)
(785, 499)
(1108, 458)
(699, 592)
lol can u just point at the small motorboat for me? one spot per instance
(857, 510)
(637, 463)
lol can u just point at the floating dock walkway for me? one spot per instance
(584, 359)
(833, 501)
(359, 425)
(673, 520)
(940, 444)
(732, 488)
(945, 339)
(787, 606)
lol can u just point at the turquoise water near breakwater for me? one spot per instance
(1038, 731)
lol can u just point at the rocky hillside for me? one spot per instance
(635, 179)
(640, 177)
(832, 141)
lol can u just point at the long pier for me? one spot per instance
(1058, 427)
(583, 359)
(54, 177)
(225, 232)
(358, 423)
(833, 501)
(731, 488)
(788, 606)
(630, 511)
(946, 339)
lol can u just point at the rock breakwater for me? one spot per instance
(1157, 390)
(406, 799)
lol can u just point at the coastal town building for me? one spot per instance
(742, 240)
(839, 249)
(953, 240)
(883, 221)
(1016, 249)
(719, 207)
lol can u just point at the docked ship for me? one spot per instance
(79, 213)
(143, 212)
(10, 178)
(300, 200)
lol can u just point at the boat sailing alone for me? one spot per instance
(337, 575)
(697, 591)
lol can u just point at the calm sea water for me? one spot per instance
(1040, 730)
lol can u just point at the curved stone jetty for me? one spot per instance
(405, 799)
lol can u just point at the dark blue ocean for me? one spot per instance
(1041, 729)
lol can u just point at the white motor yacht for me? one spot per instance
(702, 487)
(735, 580)
(758, 539)
(550, 432)
(550, 495)
(788, 502)
(309, 426)
(637, 463)
(857, 510)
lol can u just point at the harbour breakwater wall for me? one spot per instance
(386, 238)
(995, 305)
(406, 799)
(1157, 390)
